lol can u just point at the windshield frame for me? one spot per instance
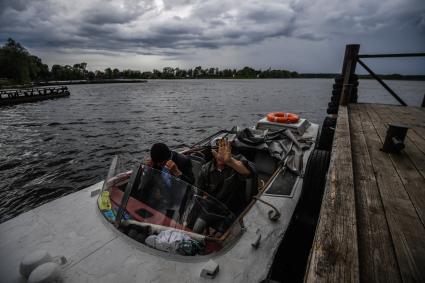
(233, 229)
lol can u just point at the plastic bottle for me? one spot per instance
(104, 201)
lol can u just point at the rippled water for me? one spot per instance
(55, 147)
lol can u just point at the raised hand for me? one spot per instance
(224, 157)
(224, 154)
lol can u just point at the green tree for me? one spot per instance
(197, 72)
(15, 62)
(99, 74)
(227, 73)
(246, 72)
(57, 71)
(115, 73)
(168, 73)
(38, 70)
(108, 73)
(91, 75)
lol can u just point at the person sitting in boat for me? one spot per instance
(225, 176)
(163, 159)
(157, 188)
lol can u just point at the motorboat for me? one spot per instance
(145, 225)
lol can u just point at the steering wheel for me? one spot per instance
(209, 215)
(208, 208)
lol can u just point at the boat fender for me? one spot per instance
(32, 261)
(210, 269)
(46, 273)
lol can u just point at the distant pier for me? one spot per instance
(16, 96)
(372, 221)
(99, 81)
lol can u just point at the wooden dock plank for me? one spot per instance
(417, 139)
(334, 256)
(412, 179)
(377, 259)
(412, 116)
(415, 144)
(407, 231)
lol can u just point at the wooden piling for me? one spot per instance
(348, 69)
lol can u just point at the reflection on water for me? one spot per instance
(55, 147)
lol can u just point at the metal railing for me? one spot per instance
(351, 59)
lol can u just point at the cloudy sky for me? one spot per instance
(305, 36)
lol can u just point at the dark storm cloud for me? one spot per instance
(18, 5)
(164, 26)
(114, 25)
(108, 17)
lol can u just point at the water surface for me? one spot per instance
(55, 147)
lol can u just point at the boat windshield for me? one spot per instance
(155, 198)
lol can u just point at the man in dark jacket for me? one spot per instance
(157, 188)
(162, 158)
(225, 177)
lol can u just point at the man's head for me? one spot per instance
(160, 154)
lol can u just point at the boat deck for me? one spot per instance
(371, 226)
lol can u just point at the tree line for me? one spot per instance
(79, 72)
(18, 66)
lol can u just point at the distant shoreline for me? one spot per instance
(366, 77)
(300, 76)
(79, 82)
(73, 82)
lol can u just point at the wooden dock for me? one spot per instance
(17, 96)
(371, 226)
(372, 221)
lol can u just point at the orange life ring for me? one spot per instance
(283, 117)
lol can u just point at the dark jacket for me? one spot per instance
(185, 166)
(151, 189)
(228, 186)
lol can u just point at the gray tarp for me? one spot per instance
(282, 145)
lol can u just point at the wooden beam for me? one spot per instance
(409, 174)
(334, 255)
(407, 230)
(377, 259)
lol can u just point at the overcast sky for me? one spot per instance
(305, 36)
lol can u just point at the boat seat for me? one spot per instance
(197, 163)
(265, 164)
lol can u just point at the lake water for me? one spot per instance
(55, 147)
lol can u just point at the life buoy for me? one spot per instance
(283, 117)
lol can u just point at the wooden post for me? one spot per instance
(423, 101)
(348, 69)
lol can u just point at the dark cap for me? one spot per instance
(160, 153)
